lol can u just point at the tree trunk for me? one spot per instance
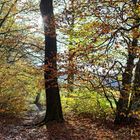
(137, 81)
(123, 105)
(37, 102)
(53, 103)
(71, 65)
(137, 70)
(136, 89)
(125, 101)
(71, 68)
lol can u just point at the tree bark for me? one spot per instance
(71, 68)
(53, 103)
(136, 91)
(122, 110)
(137, 70)
(137, 81)
(124, 103)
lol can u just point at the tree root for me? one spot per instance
(42, 123)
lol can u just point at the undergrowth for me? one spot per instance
(87, 103)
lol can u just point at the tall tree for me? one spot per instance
(53, 103)
(125, 101)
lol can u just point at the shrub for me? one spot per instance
(87, 103)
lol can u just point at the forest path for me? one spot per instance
(74, 128)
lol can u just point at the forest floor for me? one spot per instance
(74, 128)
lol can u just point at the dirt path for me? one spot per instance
(74, 128)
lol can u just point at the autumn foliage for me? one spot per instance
(97, 60)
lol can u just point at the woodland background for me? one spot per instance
(95, 59)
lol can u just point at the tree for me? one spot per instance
(53, 103)
(114, 35)
(67, 19)
(125, 101)
(123, 105)
(70, 57)
(18, 74)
